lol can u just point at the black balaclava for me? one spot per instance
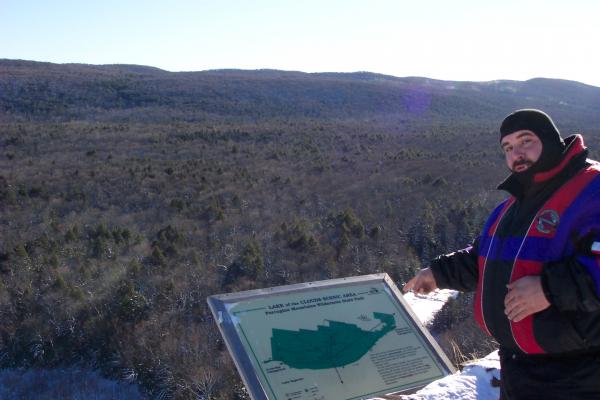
(541, 124)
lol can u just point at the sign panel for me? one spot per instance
(340, 339)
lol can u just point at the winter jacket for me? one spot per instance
(550, 229)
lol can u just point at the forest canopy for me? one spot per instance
(129, 194)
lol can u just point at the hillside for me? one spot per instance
(40, 91)
(129, 194)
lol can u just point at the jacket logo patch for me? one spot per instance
(547, 221)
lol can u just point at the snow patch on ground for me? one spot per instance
(478, 379)
(426, 306)
(63, 383)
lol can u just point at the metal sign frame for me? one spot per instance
(257, 383)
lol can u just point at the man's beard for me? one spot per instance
(525, 177)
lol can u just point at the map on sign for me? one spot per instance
(332, 346)
(332, 340)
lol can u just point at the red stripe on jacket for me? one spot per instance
(577, 147)
(481, 262)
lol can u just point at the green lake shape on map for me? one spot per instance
(332, 346)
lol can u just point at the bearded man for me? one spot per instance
(536, 265)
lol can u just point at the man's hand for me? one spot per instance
(525, 297)
(422, 283)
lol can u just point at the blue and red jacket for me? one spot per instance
(552, 230)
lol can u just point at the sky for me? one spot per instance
(465, 40)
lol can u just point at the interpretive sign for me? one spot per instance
(339, 339)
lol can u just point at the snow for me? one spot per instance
(63, 383)
(478, 379)
(426, 306)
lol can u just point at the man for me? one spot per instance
(536, 265)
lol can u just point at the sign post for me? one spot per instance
(340, 339)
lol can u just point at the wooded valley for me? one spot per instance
(129, 194)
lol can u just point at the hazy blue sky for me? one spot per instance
(445, 39)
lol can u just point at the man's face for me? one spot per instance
(521, 150)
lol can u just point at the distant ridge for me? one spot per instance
(41, 91)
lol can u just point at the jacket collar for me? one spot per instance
(574, 150)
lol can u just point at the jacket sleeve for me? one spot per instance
(574, 284)
(457, 270)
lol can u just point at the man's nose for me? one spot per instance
(518, 153)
